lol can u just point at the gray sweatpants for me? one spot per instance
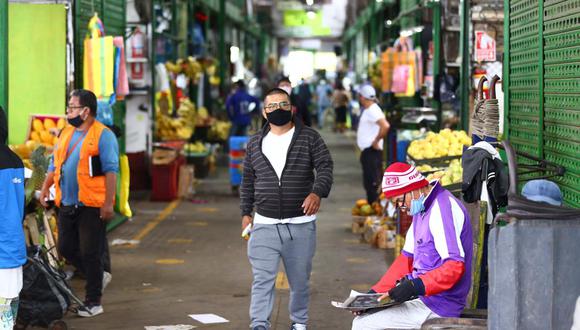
(295, 244)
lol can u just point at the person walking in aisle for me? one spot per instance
(12, 246)
(340, 101)
(323, 92)
(84, 171)
(372, 129)
(279, 180)
(240, 106)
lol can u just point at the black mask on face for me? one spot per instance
(279, 117)
(76, 121)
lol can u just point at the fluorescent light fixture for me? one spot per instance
(311, 15)
(389, 22)
(379, 1)
(310, 2)
(234, 54)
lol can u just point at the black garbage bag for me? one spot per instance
(41, 300)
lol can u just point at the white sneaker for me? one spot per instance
(91, 311)
(107, 277)
(298, 326)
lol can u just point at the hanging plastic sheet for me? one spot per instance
(121, 81)
(98, 60)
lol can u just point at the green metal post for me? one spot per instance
(373, 27)
(4, 55)
(437, 55)
(221, 43)
(541, 79)
(506, 68)
(465, 72)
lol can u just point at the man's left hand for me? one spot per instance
(107, 212)
(407, 289)
(311, 204)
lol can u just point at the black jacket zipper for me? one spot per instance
(266, 130)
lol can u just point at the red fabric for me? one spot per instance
(402, 266)
(442, 278)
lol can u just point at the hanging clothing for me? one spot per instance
(482, 167)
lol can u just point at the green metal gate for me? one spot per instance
(543, 99)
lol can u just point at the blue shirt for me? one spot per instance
(12, 246)
(238, 107)
(108, 153)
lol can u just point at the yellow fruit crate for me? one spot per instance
(45, 129)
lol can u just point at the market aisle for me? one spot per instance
(191, 259)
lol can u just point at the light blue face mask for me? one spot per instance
(417, 205)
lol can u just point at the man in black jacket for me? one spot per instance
(279, 180)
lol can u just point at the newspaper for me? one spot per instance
(364, 301)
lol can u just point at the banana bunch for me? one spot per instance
(220, 131)
(376, 75)
(179, 128)
(196, 147)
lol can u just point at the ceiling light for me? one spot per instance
(311, 15)
(310, 2)
(389, 22)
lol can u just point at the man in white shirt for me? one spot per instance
(279, 181)
(372, 129)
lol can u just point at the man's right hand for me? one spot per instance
(246, 220)
(43, 197)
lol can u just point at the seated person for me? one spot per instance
(435, 264)
(543, 191)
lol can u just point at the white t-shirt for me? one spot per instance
(368, 129)
(275, 149)
(10, 282)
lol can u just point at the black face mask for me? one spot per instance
(76, 121)
(279, 117)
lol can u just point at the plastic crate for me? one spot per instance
(525, 70)
(561, 9)
(564, 24)
(561, 40)
(525, 56)
(522, 32)
(559, 101)
(566, 147)
(238, 142)
(522, 146)
(552, 2)
(522, 6)
(570, 163)
(567, 70)
(518, 121)
(566, 132)
(532, 110)
(524, 44)
(524, 18)
(562, 116)
(529, 136)
(165, 180)
(570, 195)
(527, 97)
(562, 56)
(571, 86)
(527, 83)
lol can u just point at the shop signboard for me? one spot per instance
(485, 47)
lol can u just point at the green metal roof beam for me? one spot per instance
(364, 18)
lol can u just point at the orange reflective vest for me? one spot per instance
(91, 190)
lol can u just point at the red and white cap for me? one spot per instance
(401, 178)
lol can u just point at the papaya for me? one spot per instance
(46, 137)
(355, 211)
(61, 123)
(35, 136)
(37, 125)
(49, 124)
(361, 202)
